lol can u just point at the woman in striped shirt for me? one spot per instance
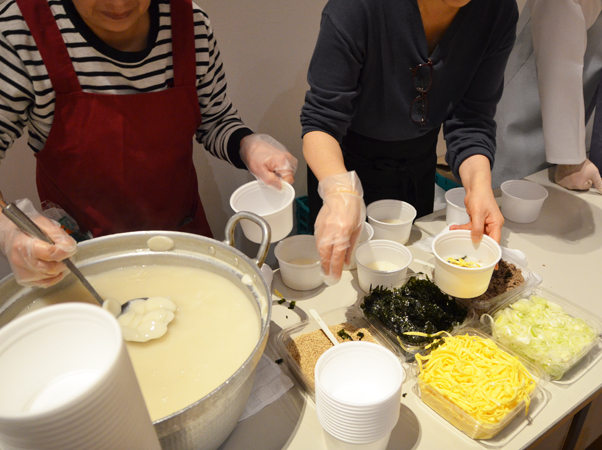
(112, 94)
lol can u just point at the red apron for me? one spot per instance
(120, 163)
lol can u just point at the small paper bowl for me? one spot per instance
(464, 282)
(522, 200)
(455, 212)
(366, 235)
(299, 262)
(382, 263)
(391, 219)
(275, 207)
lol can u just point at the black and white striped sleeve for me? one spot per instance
(222, 128)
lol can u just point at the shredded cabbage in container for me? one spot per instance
(541, 331)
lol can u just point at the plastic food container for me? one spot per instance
(407, 349)
(466, 423)
(347, 314)
(561, 369)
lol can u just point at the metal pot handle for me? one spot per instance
(266, 234)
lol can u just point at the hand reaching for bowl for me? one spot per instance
(485, 215)
(339, 222)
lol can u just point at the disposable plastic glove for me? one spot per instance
(33, 261)
(268, 160)
(579, 176)
(339, 222)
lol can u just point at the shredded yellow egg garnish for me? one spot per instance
(478, 377)
(462, 262)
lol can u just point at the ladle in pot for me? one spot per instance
(28, 226)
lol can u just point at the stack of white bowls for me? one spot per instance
(358, 393)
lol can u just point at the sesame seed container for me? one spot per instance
(302, 344)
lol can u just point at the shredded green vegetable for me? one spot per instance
(541, 331)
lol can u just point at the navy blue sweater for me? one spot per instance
(360, 74)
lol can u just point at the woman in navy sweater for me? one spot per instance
(384, 77)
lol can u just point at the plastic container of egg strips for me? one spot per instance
(564, 371)
(346, 314)
(408, 350)
(493, 435)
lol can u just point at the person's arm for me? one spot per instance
(470, 133)
(559, 31)
(485, 215)
(323, 154)
(222, 131)
(339, 222)
(329, 107)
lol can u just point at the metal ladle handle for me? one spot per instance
(28, 226)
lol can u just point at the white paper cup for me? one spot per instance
(275, 207)
(299, 262)
(455, 212)
(366, 235)
(333, 443)
(464, 282)
(358, 393)
(522, 200)
(67, 382)
(391, 219)
(381, 263)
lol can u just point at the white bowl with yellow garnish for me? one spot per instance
(464, 268)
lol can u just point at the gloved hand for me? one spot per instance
(33, 261)
(579, 176)
(268, 160)
(339, 222)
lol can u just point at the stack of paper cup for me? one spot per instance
(67, 383)
(358, 393)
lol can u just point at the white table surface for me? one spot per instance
(563, 246)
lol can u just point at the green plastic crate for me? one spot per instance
(445, 183)
(302, 213)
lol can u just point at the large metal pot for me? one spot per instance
(206, 423)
